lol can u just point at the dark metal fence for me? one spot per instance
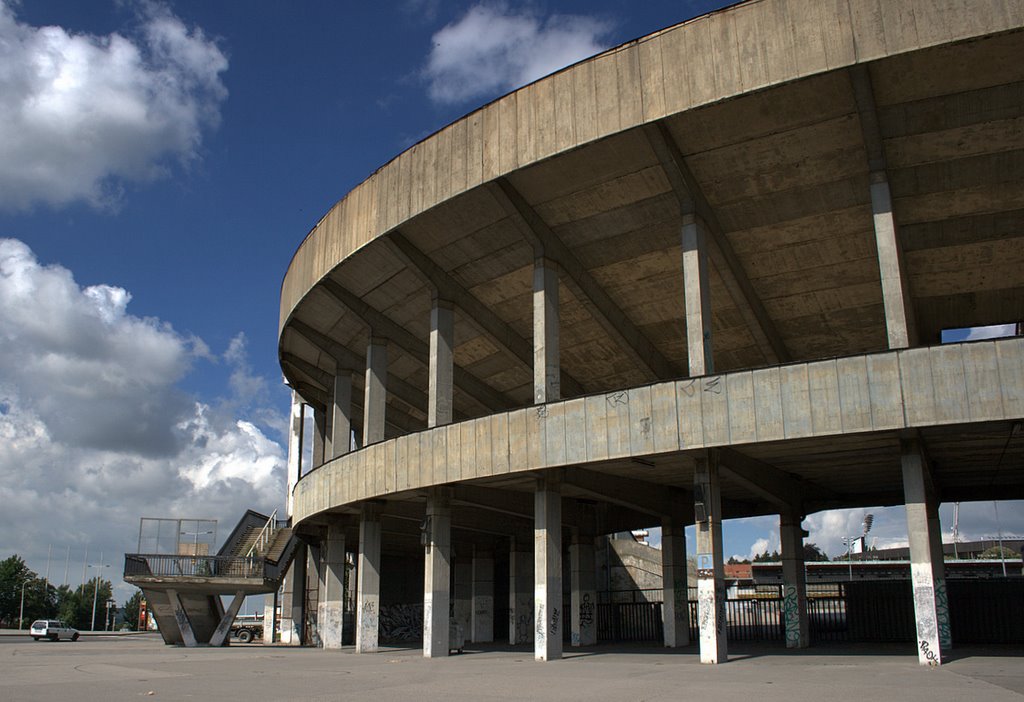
(981, 611)
(163, 565)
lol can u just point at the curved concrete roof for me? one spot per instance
(768, 120)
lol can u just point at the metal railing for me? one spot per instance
(264, 537)
(165, 565)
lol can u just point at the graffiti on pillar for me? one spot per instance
(679, 587)
(942, 614)
(645, 427)
(791, 615)
(713, 385)
(706, 609)
(541, 633)
(554, 621)
(542, 412)
(618, 398)
(688, 388)
(586, 612)
(401, 622)
(521, 626)
(720, 610)
(928, 654)
(368, 618)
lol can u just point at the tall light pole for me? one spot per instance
(869, 519)
(96, 589)
(21, 614)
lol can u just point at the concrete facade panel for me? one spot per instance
(916, 381)
(691, 419)
(770, 425)
(742, 413)
(714, 403)
(981, 366)
(796, 401)
(576, 431)
(950, 385)
(554, 434)
(597, 428)
(665, 418)
(500, 453)
(641, 433)
(826, 412)
(617, 423)
(854, 395)
(884, 390)
(1011, 376)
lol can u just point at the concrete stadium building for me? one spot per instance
(700, 276)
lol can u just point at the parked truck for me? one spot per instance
(247, 627)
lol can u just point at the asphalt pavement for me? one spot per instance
(142, 667)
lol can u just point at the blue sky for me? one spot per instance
(159, 164)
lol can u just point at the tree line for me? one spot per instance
(43, 600)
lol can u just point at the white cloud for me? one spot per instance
(995, 331)
(82, 114)
(494, 48)
(95, 432)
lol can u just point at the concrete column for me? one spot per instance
(675, 608)
(697, 295)
(707, 503)
(341, 415)
(462, 600)
(520, 593)
(440, 382)
(899, 315)
(939, 566)
(583, 589)
(482, 624)
(314, 586)
(270, 602)
(546, 362)
(375, 396)
(293, 601)
(331, 614)
(794, 582)
(437, 574)
(319, 437)
(931, 608)
(368, 574)
(547, 570)
(294, 448)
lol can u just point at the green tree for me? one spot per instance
(75, 607)
(812, 552)
(993, 552)
(39, 600)
(131, 610)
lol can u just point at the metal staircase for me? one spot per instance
(184, 591)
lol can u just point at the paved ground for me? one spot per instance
(104, 668)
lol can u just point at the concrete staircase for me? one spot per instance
(184, 592)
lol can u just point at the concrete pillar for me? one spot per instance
(707, 503)
(939, 566)
(375, 396)
(462, 595)
(293, 601)
(697, 295)
(794, 582)
(319, 437)
(520, 593)
(547, 570)
(270, 602)
(899, 315)
(314, 586)
(294, 448)
(341, 415)
(546, 362)
(331, 614)
(440, 382)
(482, 624)
(675, 608)
(931, 607)
(437, 574)
(368, 574)
(583, 588)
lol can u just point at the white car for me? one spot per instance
(53, 630)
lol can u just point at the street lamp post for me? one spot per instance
(96, 589)
(21, 614)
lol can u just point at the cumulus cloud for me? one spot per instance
(81, 114)
(96, 432)
(494, 48)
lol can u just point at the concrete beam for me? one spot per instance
(727, 263)
(479, 314)
(439, 381)
(349, 360)
(547, 367)
(414, 347)
(641, 496)
(763, 479)
(587, 290)
(900, 320)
